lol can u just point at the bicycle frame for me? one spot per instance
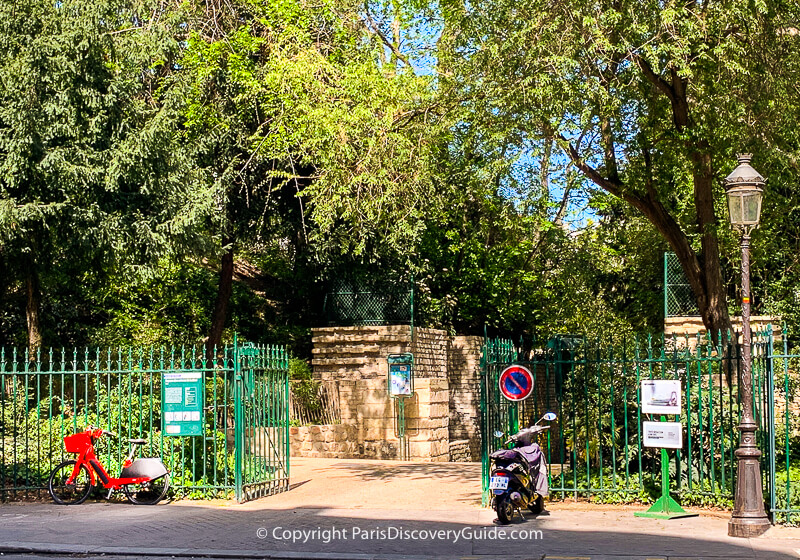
(89, 458)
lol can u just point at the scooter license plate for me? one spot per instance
(498, 483)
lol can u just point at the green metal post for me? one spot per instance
(665, 507)
(771, 418)
(238, 419)
(513, 419)
(666, 287)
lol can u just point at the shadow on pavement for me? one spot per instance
(185, 529)
(409, 471)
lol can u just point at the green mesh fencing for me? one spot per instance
(679, 301)
(350, 304)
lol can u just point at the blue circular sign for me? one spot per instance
(516, 383)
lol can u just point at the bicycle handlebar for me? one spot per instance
(102, 431)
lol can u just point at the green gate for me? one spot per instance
(262, 410)
(243, 449)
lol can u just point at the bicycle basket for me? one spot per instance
(77, 443)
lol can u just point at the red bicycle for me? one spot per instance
(144, 481)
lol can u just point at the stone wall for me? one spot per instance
(334, 441)
(460, 451)
(360, 352)
(683, 327)
(464, 377)
(428, 420)
(356, 359)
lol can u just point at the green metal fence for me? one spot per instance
(356, 303)
(595, 447)
(776, 370)
(243, 452)
(679, 300)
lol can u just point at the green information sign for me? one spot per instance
(182, 403)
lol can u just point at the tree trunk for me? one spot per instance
(32, 305)
(714, 309)
(224, 291)
(703, 271)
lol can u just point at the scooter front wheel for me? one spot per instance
(147, 493)
(505, 510)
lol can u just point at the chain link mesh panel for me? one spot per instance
(352, 304)
(679, 300)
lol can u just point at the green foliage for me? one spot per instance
(648, 101)
(787, 495)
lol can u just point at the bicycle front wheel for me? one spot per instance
(147, 493)
(74, 492)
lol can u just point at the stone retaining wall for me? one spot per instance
(334, 441)
(460, 451)
(464, 377)
(356, 359)
(689, 327)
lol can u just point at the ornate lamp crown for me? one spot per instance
(744, 188)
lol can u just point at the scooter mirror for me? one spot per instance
(550, 416)
(498, 433)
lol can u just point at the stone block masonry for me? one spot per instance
(333, 441)
(447, 381)
(464, 379)
(356, 359)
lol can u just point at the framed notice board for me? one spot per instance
(182, 403)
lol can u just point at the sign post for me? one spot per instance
(663, 396)
(516, 384)
(401, 387)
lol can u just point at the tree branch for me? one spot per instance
(370, 23)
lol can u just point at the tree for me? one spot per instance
(86, 150)
(291, 117)
(648, 100)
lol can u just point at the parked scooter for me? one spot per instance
(519, 476)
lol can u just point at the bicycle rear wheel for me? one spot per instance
(147, 493)
(76, 491)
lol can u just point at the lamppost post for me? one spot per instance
(744, 187)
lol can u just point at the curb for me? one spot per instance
(65, 549)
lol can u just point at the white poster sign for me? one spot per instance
(661, 396)
(663, 434)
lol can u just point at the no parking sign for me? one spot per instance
(516, 383)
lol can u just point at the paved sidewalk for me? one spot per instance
(360, 510)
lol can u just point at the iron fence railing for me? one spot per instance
(57, 392)
(595, 448)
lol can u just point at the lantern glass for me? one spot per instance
(744, 207)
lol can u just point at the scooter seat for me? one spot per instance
(505, 454)
(532, 453)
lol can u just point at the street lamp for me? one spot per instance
(744, 188)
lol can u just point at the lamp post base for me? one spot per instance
(748, 527)
(749, 518)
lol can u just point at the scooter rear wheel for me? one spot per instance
(537, 505)
(505, 510)
(147, 493)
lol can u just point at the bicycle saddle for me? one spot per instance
(137, 441)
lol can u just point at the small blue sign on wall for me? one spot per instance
(401, 375)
